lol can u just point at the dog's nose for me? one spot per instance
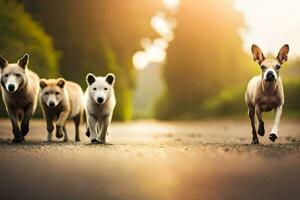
(100, 100)
(51, 104)
(270, 76)
(11, 87)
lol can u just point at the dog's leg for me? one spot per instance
(104, 128)
(251, 113)
(66, 139)
(16, 129)
(50, 127)
(63, 116)
(25, 122)
(274, 131)
(76, 120)
(92, 126)
(261, 126)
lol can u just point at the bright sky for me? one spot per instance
(270, 24)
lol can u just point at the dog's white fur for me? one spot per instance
(100, 103)
(265, 93)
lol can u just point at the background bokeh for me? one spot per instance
(173, 59)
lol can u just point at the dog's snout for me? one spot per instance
(270, 76)
(11, 87)
(51, 104)
(100, 100)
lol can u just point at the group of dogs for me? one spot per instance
(61, 99)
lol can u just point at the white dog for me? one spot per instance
(100, 103)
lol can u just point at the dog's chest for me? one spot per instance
(268, 103)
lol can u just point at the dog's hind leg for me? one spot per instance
(274, 131)
(261, 124)
(251, 113)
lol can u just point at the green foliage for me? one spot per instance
(20, 34)
(205, 57)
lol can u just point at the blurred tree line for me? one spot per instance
(205, 57)
(91, 36)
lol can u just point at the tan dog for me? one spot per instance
(60, 100)
(265, 93)
(20, 88)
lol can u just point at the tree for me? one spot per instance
(205, 57)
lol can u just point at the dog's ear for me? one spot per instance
(110, 78)
(258, 55)
(3, 62)
(23, 62)
(43, 83)
(283, 54)
(90, 78)
(61, 82)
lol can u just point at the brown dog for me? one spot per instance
(61, 100)
(265, 92)
(20, 88)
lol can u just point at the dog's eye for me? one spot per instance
(105, 88)
(46, 93)
(18, 75)
(94, 88)
(57, 93)
(263, 67)
(6, 75)
(278, 66)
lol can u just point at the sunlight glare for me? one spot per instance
(172, 4)
(140, 60)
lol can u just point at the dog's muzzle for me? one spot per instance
(270, 76)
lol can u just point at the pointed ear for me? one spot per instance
(3, 62)
(61, 82)
(110, 78)
(258, 55)
(23, 62)
(90, 78)
(43, 83)
(283, 54)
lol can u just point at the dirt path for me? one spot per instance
(154, 160)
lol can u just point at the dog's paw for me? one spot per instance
(255, 141)
(261, 130)
(17, 140)
(273, 137)
(59, 132)
(94, 141)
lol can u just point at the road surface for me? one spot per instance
(209, 159)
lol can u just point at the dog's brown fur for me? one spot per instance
(69, 104)
(21, 103)
(263, 95)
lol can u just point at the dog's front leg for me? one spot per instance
(16, 129)
(274, 131)
(92, 128)
(63, 116)
(104, 129)
(25, 122)
(261, 125)
(50, 127)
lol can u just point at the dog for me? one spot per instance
(20, 88)
(265, 92)
(100, 103)
(60, 100)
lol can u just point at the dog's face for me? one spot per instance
(270, 67)
(100, 88)
(52, 91)
(13, 75)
